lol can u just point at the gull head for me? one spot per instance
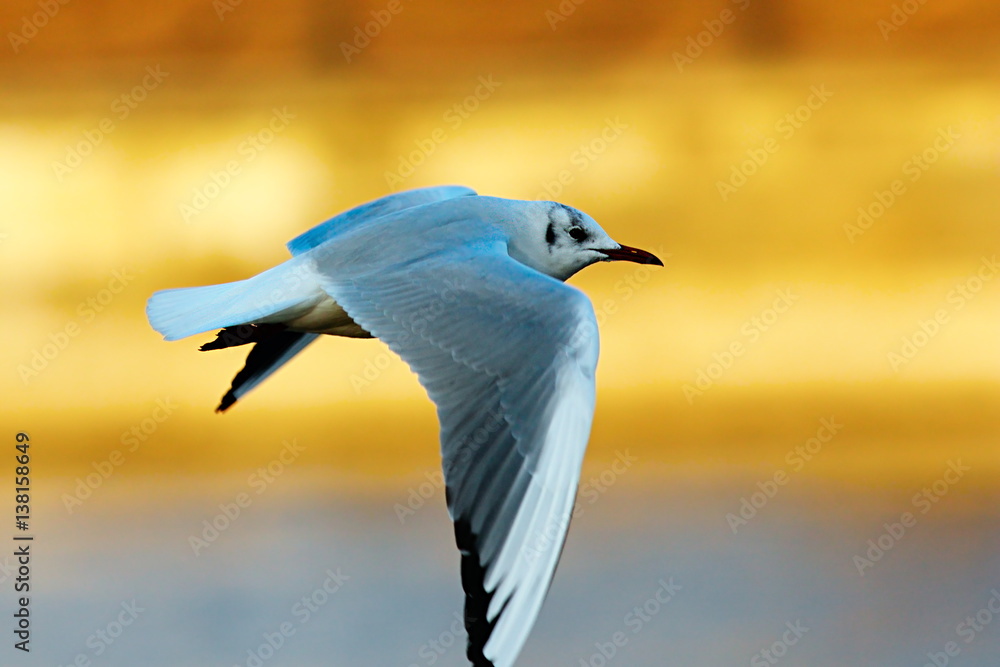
(559, 240)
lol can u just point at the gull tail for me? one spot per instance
(247, 311)
(178, 313)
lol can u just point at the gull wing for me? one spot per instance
(347, 220)
(508, 356)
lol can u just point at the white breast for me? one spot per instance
(326, 316)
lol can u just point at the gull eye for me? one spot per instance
(578, 234)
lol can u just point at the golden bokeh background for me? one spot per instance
(820, 179)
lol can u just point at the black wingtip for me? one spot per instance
(230, 337)
(227, 402)
(270, 343)
(241, 335)
(477, 599)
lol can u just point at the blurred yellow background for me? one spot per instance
(819, 178)
(603, 109)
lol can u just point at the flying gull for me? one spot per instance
(469, 291)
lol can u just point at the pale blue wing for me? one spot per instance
(374, 209)
(508, 356)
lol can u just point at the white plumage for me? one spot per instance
(468, 291)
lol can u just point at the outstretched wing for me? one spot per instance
(508, 355)
(347, 220)
(273, 345)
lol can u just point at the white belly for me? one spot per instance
(319, 315)
(327, 317)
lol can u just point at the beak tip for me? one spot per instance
(629, 254)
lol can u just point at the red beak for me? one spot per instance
(629, 254)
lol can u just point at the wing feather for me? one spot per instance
(344, 222)
(508, 356)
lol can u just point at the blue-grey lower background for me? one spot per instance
(399, 592)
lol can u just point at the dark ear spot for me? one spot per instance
(550, 234)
